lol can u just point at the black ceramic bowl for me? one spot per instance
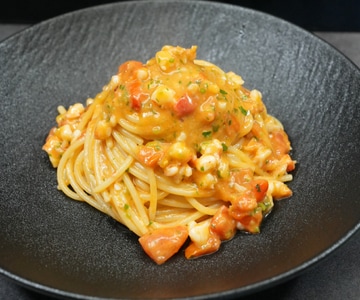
(59, 246)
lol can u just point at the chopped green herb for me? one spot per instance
(224, 147)
(223, 92)
(262, 206)
(206, 133)
(215, 128)
(243, 111)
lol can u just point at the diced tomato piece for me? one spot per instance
(280, 142)
(184, 106)
(259, 188)
(163, 243)
(290, 163)
(128, 74)
(252, 221)
(149, 156)
(128, 67)
(223, 224)
(226, 191)
(212, 245)
(242, 206)
(257, 130)
(137, 96)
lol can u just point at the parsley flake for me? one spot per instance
(206, 133)
(243, 111)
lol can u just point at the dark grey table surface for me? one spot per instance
(336, 277)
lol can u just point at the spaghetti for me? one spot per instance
(176, 150)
